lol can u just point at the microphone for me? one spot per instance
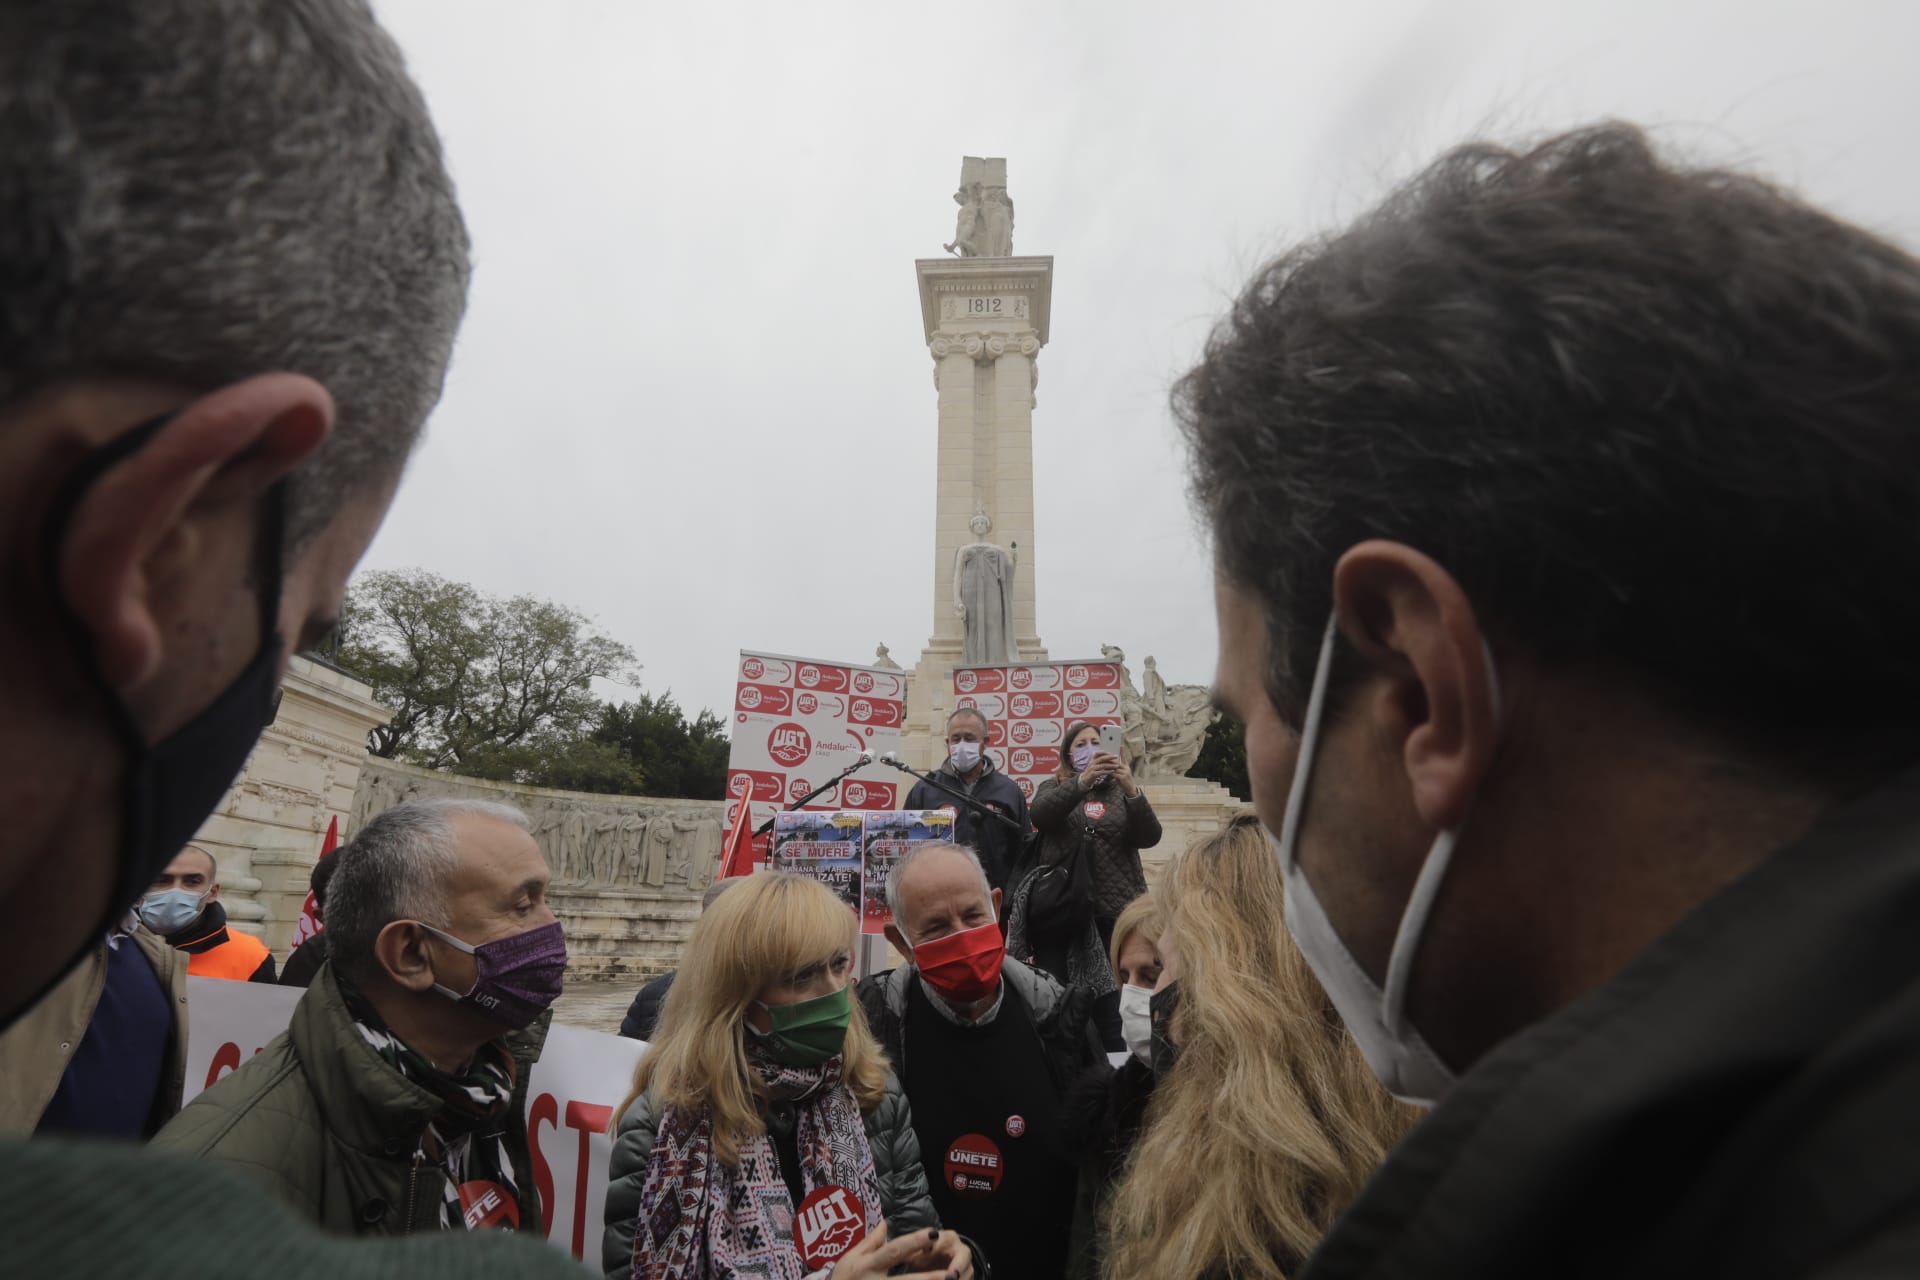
(892, 759)
(866, 756)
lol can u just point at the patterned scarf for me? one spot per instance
(466, 1140)
(699, 1219)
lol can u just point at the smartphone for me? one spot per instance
(1110, 738)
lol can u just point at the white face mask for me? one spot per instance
(965, 755)
(1399, 1055)
(1136, 1023)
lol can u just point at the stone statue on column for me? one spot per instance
(983, 595)
(969, 232)
(996, 219)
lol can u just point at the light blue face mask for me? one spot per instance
(965, 755)
(170, 910)
(1400, 1056)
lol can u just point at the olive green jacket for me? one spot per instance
(327, 1125)
(35, 1051)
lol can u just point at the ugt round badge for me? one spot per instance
(830, 1221)
(974, 1166)
(1096, 810)
(1016, 1125)
(487, 1204)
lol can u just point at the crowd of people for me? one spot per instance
(1560, 509)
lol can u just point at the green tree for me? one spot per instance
(570, 764)
(677, 756)
(476, 681)
(1223, 757)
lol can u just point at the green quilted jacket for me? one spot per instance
(320, 1120)
(896, 1161)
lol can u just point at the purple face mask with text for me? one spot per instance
(517, 977)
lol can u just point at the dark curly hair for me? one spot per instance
(1653, 418)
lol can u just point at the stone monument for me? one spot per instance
(983, 594)
(984, 316)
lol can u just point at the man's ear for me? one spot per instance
(401, 952)
(213, 892)
(228, 447)
(1433, 694)
(899, 940)
(996, 895)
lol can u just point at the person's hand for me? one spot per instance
(1124, 776)
(945, 1251)
(1099, 770)
(876, 1256)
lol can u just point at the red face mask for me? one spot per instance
(963, 966)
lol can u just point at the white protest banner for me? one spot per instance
(797, 723)
(1029, 706)
(581, 1077)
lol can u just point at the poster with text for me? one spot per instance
(888, 838)
(1028, 708)
(824, 847)
(798, 722)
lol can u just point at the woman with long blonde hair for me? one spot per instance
(1268, 1121)
(764, 1134)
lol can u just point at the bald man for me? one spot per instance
(183, 906)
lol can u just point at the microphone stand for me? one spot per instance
(822, 789)
(987, 811)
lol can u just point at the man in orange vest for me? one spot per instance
(183, 907)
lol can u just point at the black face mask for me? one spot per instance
(171, 786)
(1162, 1053)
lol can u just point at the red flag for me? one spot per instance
(737, 855)
(309, 923)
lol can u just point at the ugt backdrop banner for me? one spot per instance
(581, 1077)
(798, 722)
(1029, 706)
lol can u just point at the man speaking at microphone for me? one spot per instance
(985, 1047)
(970, 773)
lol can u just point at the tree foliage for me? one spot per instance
(677, 756)
(1223, 757)
(475, 681)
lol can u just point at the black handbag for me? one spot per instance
(1059, 895)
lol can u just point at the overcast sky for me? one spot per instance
(693, 398)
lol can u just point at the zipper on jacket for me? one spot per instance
(413, 1186)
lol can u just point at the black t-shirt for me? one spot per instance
(984, 1109)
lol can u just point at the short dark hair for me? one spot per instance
(317, 878)
(204, 190)
(985, 726)
(1649, 416)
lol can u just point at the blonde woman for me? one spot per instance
(764, 1135)
(1268, 1121)
(1105, 1110)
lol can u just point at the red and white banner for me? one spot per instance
(797, 723)
(581, 1077)
(1029, 707)
(309, 922)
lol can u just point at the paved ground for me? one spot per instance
(598, 1006)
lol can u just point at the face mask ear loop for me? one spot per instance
(1413, 921)
(1309, 745)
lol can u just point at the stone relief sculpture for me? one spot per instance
(1166, 726)
(883, 659)
(983, 594)
(616, 843)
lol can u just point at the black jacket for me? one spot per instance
(1062, 1018)
(998, 847)
(1100, 1121)
(643, 1015)
(1104, 827)
(1742, 1100)
(305, 961)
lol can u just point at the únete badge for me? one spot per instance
(974, 1166)
(830, 1221)
(487, 1204)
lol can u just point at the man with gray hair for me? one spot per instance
(234, 266)
(969, 771)
(985, 1047)
(395, 1101)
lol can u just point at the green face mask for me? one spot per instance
(808, 1033)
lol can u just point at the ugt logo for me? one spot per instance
(790, 744)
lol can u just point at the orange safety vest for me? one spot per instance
(236, 958)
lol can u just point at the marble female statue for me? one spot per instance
(983, 595)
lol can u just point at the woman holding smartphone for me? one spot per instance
(1093, 809)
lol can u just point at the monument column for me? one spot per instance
(985, 316)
